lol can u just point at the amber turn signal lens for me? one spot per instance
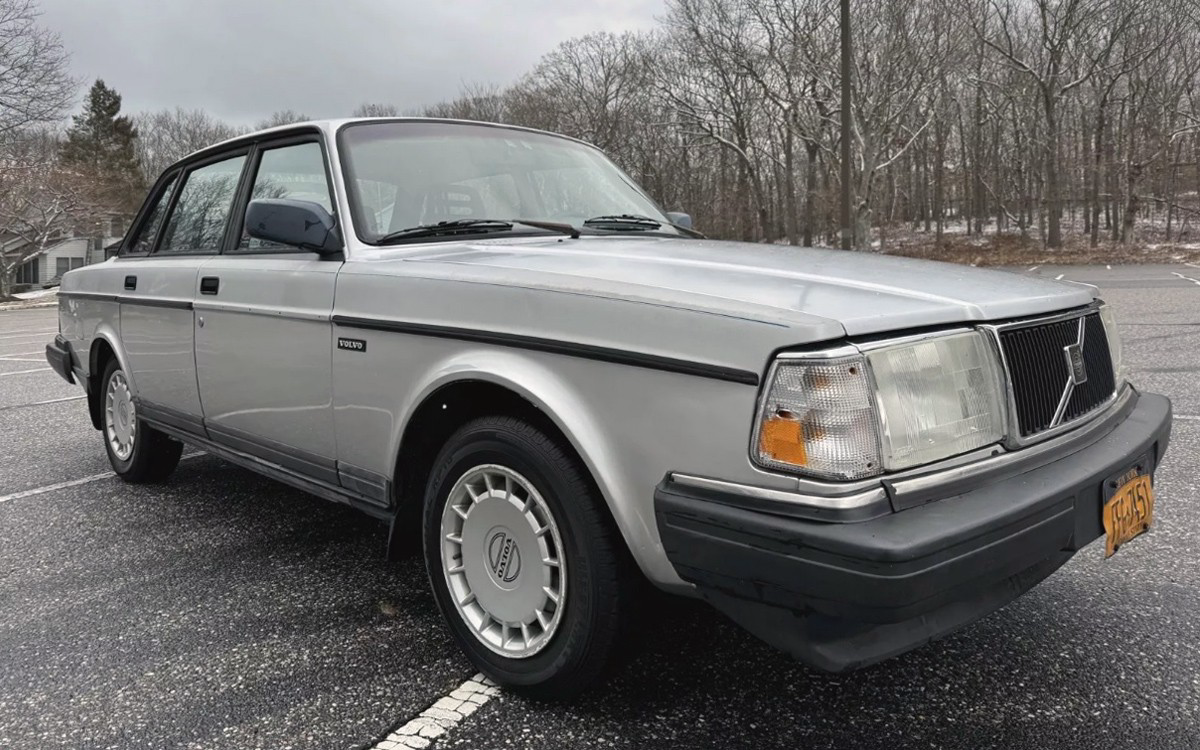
(783, 440)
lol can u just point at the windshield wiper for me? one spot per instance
(624, 222)
(455, 226)
(472, 226)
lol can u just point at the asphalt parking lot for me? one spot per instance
(223, 610)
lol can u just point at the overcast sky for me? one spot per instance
(243, 59)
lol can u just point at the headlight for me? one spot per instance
(889, 408)
(1114, 343)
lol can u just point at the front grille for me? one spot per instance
(1040, 372)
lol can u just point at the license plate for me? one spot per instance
(1129, 507)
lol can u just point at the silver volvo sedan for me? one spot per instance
(493, 340)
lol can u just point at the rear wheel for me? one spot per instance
(137, 452)
(523, 559)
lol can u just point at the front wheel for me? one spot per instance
(523, 558)
(137, 452)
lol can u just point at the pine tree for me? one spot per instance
(101, 147)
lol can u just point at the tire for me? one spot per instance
(138, 453)
(565, 647)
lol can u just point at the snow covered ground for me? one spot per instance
(38, 294)
(37, 298)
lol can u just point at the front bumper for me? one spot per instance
(58, 354)
(839, 596)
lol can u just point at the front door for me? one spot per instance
(263, 347)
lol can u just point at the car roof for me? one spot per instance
(332, 126)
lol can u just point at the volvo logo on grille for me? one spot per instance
(504, 557)
(1074, 354)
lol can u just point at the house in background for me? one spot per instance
(67, 252)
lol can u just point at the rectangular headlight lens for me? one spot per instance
(819, 417)
(937, 398)
(892, 408)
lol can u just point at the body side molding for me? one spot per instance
(555, 346)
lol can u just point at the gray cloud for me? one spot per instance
(243, 59)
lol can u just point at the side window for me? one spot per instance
(197, 225)
(149, 229)
(296, 172)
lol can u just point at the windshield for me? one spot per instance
(411, 174)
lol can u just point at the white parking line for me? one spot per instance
(1188, 417)
(1034, 268)
(43, 403)
(1186, 278)
(20, 359)
(20, 354)
(1059, 277)
(442, 716)
(27, 335)
(71, 483)
(56, 486)
(24, 372)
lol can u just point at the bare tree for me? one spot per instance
(370, 109)
(35, 86)
(39, 202)
(482, 102)
(1054, 117)
(1061, 29)
(168, 135)
(282, 117)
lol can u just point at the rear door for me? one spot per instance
(263, 336)
(157, 289)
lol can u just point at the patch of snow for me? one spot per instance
(37, 294)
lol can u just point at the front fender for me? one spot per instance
(562, 401)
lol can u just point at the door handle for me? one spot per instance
(131, 282)
(209, 285)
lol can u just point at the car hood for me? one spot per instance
(799, 287)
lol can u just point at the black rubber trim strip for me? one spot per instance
(180, 420)
(373, 486)
(293, 459)
(61, 359)
(127, 299)
(90, 295)
(553, 346)
(174, 304)
(277, 472)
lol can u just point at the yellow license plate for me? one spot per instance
(1130, 510)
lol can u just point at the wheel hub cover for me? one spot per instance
(497, 541)
(503, 562)
(503, 557)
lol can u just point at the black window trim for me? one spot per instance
(185, 173)
(244, 145)
(157, 193)
(238, 217)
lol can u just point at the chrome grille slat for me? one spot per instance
(1039, 372)
(1100, 382)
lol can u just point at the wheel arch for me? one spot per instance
(104, 347)
(514, 385)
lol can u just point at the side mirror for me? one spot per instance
(680, 219)
(304, 224)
